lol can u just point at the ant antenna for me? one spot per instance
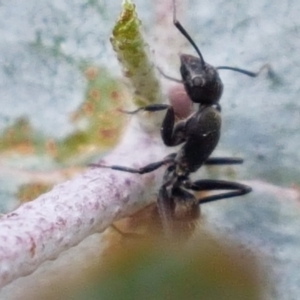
(183, 31)
(162, 73)
(248, 73)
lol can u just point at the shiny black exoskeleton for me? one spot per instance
(199, 134)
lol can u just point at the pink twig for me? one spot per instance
(40, 230)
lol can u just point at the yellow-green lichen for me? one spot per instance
(130, 47)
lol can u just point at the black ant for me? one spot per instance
(199, 134)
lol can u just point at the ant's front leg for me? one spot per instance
(239, 189)
(150, 108)
(172, 135)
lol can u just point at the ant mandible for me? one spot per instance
(199, 134)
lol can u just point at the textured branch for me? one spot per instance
(42, 229)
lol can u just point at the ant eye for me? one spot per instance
(197, 81)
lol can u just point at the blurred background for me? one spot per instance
(61, 84)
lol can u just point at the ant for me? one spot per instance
(199, 133)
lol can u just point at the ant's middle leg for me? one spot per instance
(238, 189)
(146, 169)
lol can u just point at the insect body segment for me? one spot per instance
(202, 133)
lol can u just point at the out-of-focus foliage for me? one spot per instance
(98, 118)
(151, 269)
(20, 137)
(99, 114)
(28, 192)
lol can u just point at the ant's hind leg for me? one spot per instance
(131, 235)
(238, 189)
(211, 161)
(165, 206)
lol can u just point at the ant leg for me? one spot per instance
(223, 161)
(165, 207)
(146, 169)
(185, 205)
(162, 73)
(172, 134)
(131, 235)
(150, 107)
(177, 212)
(210, 185)
(167, 127)
(168, 124)
(249, 73)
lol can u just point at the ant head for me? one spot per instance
(201, 80)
